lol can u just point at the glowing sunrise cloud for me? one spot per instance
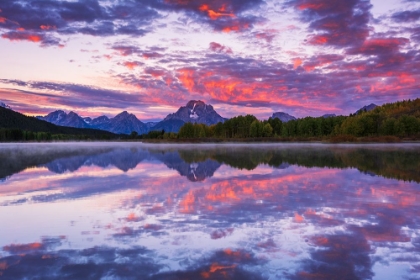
(304, 57)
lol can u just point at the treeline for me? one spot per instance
(154, 134)
(400, 119)
(17, 135)
(250, 127)
(395, 119)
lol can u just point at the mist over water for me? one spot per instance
(209, 211)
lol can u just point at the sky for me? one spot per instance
(149, 57)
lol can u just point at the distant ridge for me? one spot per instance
(10, 119)
(123, 123)
(367, 108)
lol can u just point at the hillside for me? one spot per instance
(400, 118)
(11, 120)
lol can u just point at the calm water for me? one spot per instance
(136, 211)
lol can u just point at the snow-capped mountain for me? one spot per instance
(284, 117)
(196, 112)
(124, 123)
(87, 120)
(61, 118)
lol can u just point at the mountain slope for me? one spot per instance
(367, 108)
(13, 120)
(124, 123)
(169, 125)
(61, 118)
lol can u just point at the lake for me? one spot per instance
(225, 211)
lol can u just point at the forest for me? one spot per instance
(390, 123)
(400, 120)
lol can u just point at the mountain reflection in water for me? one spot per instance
(143, 211)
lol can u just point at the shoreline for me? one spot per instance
(254, 143)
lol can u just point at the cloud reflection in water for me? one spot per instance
(171, 212)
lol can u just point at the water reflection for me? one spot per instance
(136, 211)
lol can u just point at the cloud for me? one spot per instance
(247, 81)
(45, 40)
(16, 36)
(319, 61)
(379, 46)
(100, 262)
(132, 64)
(227, 15)
(345, 256)
(406, 16)
(336, 23)
(126, 50)
(220, 233)
(78, 97)
(216, 47)
(46, 18)
(47, 243)
(100, 18)
(268, 35)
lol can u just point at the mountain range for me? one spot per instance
(125, 123)
(10, 119)
(195, 111)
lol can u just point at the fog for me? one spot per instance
(73, 146)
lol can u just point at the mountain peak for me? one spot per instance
(368, 108)
(125, 123)
(57, 112)
(193, 103)
(55, 117)
(123, 114)
(284, 117)
(196, 111)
